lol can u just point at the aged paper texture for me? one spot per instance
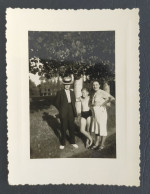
(123, 169)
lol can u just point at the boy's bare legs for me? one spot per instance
(83, 126)
(88, 125)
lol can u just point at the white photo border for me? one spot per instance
(122, 170)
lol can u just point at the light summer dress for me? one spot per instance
(99, 124)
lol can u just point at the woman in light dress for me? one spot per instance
(99, 102)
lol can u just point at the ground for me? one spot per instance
(45, 134)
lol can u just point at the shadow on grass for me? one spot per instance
(40, 103)
(55, 125)
(108, 152)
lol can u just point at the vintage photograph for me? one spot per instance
(73, 97)
(72, 94)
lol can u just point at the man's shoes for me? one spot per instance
(61, 147)
(75, 145)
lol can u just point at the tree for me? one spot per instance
(104, 72)
(71, 53)
(66, 53)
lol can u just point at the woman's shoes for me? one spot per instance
(101, 148)
(95, 147)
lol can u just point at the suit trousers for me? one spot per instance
(67, 122)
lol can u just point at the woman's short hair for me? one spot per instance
(96, 81)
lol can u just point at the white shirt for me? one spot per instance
(68, 95)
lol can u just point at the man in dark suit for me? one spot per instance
(65, 103)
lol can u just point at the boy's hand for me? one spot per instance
(56, 116)
(79, 115)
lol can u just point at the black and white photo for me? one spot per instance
(72, 94)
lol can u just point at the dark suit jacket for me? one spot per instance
(61, 103)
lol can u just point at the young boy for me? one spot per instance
(85, 116)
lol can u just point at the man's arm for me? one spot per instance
(57, 101)
(74, 99)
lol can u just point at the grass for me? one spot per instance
(45, 134)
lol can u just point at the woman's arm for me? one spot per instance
(106, 101)
(109, 99)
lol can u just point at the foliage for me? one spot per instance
(65, 53)
(103, 71)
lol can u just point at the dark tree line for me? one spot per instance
(77, 53)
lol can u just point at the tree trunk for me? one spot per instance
(106, 88)
(78, 84)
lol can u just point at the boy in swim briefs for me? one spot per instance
(85, 116)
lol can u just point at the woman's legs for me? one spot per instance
(101, 120)
(103, 132)
(83, 128)
(97, 129)
(98, 139)
(103, 141)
